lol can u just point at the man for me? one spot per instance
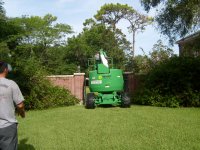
(10, 96)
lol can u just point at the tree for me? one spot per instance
(43, 30)
(22, 41)
(176, 17)
(93, 38)
(4, 52)
(40, 36)
(145, 63)
(57, 62)
(138, 22)
(7, 28)
(140, 64)
(2, 12)
(114, 43)
(112, 14)
(160, 53)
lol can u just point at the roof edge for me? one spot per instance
(188, 38)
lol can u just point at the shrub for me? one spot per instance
(39, 93)
(155, 98)
(176, 75)
(50, 96)
(172, 83)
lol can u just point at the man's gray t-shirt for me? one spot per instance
(10, 94)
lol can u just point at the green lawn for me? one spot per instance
(135, 128)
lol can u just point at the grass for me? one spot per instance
(135, 128)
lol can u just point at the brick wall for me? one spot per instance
(74, 83)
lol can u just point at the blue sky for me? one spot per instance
(74, 13)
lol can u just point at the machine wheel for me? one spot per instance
(90, 101)
(84, 95)
(126, 102)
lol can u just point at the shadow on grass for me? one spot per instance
(112, 106)
(24, 146)
(107, 106)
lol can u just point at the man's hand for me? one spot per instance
(21, 110)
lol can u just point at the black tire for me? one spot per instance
(126, 102)
(90, 101)
(84, 95)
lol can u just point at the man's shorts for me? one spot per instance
(8, 138)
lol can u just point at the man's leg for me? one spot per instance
(8, 138)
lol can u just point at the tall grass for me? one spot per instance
(114, 128)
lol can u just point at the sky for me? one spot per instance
(75, 12)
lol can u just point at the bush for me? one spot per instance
(189, 98)
(172, 83)
(50, 96)
(39, 93)
(155, 98)
(176, 75)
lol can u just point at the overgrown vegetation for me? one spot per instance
(39, 92)
(172, 83)
(26, 44)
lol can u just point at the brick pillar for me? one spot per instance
(79, 85)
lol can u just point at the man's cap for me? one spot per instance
(4, 65)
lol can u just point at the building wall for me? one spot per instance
(190, 46)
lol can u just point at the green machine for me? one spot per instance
(105, 83)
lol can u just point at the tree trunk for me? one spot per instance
(133, 46)
(114, 27)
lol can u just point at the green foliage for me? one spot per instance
(145, 63)
(172, 83)
(42, 38)
(176, 17)
(90, 41)
(8, 29)
(43, 31)
(160, 53)
(139, 64)
(2, 11)
(153, 97)
(35, 47)
(112, 13)
(49, 97)
(57, 63)
(4, 52)
(176, 75)
(38, 91)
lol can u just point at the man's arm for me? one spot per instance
(21, 110)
